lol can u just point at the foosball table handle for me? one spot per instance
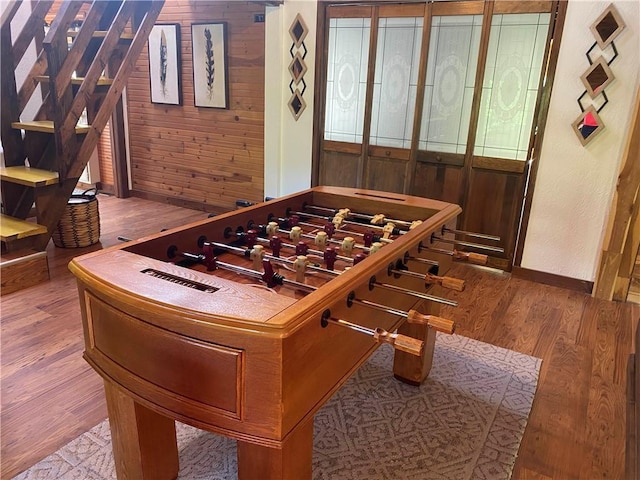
(400, 342)
(440, 324)
(447, 282)
(474, 258)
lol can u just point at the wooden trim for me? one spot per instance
(320, 91)
(23, 269)
(457, 8)
(499, 164)
(441, 158)
(342, 147)
(632, 446)
(389, 152)
(347, 11)
(179, 202)
(621, 230)
(475, 106)
(409, 180)
(518, 6)
(553, 279)
(542, 110)
(119, 151)
(106, 188)
(363, 168)
(629, 257)
(403, 10)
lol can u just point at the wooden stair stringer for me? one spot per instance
(77, 163)
(65, 151)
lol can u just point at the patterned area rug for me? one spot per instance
(465, 422)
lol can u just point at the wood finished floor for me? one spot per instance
(49, 395)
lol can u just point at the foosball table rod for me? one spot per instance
(471, 257)
(435, 238)
(484, 236)
(430, 279)
(400, 342)
(413, 316)
(377, 219)
(387, 230)
(320, 239)
(423, 296)
(257, 255)
(210, 261)
(425, 261)
(300, 262)
(251, 237)
(330, 229)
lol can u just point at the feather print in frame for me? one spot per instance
(210, 73)
(163, 63)
(209, 62)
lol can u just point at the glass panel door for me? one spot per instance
(396, 81)
(514, 63)
(346, 78)
(449, 86)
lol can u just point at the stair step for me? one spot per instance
(45, 126)
(12, 228)
(22, 269)
(31, 177)
(77, 80)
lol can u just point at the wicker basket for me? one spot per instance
(80, 222)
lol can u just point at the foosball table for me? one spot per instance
(245, 324)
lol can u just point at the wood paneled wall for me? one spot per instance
(106, 159)
(202, 157)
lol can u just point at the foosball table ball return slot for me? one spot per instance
(245, 324)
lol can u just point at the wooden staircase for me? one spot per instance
(77, 74)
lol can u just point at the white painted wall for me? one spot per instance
(575, 183)
(25, 65)
(288, 143)
(29, 58)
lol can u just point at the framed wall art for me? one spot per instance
(164, 64)
(209, 50)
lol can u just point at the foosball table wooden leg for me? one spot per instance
(413, 369)
(144, 442)
(291, 462)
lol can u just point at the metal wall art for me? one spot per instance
(598, 76)
(297, 67)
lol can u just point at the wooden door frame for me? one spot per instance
(119, 152)
(541, 114)
(558, 12)
(623, 232)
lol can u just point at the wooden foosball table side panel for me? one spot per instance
(217, 379)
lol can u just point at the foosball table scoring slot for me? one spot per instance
(179, 280)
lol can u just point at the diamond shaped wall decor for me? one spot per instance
(297, 68)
